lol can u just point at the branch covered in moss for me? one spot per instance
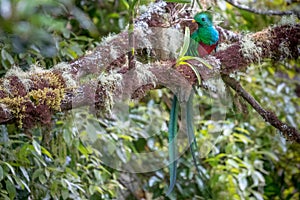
(102, 77)
(277, 43)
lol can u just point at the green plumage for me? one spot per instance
(172, 143)
(202, 42)
(206, 32)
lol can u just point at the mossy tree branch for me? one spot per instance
(30, 98)
(289, 132)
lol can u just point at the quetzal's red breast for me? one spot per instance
(204, 49)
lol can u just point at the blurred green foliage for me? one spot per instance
(243, 156)
(48, 32)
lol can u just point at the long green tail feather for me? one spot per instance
(172, 144)
(193, 143)
(207, 35)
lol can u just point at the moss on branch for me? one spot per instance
(102, 75)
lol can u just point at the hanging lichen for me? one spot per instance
(107, 84)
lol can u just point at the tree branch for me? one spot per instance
(32, 97)
(262, 12)
(289, 132)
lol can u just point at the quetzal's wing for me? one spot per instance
(172, 144)
(193, 48)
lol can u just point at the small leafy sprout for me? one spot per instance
(182, 59)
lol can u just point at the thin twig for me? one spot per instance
(262, 12)
(289, 132)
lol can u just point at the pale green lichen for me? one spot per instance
(146, 13)
(62, 66)
(6, 86)
(284, 49)
(110, 82)
(223, 46)
(143, 34)
(215, 85)
(288, 20)
(111, 79)
(68, 78)
(167, 42)
(24, 77)
(35, 69)
(144, 75)
(174, 37)
(249, 49)
(15, 71)
(114, 53)
(110, 37)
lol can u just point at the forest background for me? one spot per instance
(58, 151)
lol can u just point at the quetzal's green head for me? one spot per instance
(203, 19)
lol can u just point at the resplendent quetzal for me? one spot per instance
(202, 42)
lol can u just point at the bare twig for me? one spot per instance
(262, 12)
(289, 132)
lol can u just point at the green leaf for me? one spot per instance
(257, 177)
(47, 173)
(25, 185)
(270, 154)
(84, 150)
(37, 147)
(10, 167)
(125, 3)
(37, 173)
(25, 173)
(126, 137)
(243, 183)
(232, 163)
(65, 193)
(42, 179)
(46, 152)
(257, 195)
(1, 173)
(114, 15)
(242, 138)
(91, 132)
(242, 130)
(19, 182)
(71, 172)
(121, 154)
(10, 187)
(200, 60)
(54, 188)
(67, 135)
(98, 189)
(6, 56)
(186, 42)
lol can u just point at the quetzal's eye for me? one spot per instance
(203, 19)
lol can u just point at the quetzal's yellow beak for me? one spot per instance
(193, 21)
